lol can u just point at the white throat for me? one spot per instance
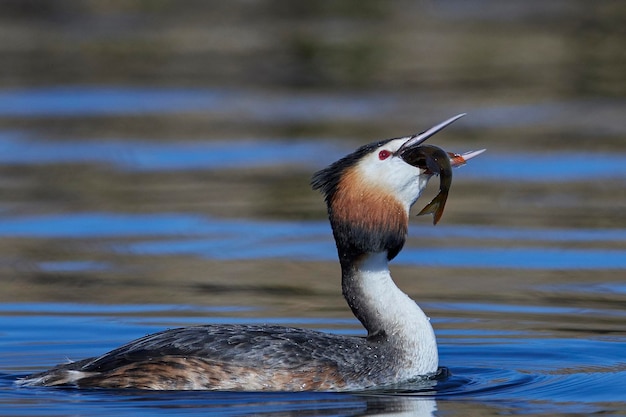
(389, 309)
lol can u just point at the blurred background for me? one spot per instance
(137, 138)
(155, 158)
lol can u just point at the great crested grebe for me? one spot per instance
(368, 193)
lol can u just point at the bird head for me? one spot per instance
(369, 192)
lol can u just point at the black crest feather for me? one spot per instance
(354, 238)
(327, 179)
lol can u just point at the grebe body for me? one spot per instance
(368, 194)
(235, 358)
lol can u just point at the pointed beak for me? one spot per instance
(413, 156)
(418, 139)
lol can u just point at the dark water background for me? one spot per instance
(154, 167)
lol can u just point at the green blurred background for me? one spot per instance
(426, 55)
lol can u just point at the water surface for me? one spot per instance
(490, 366)
(154, 173)
(529, 316)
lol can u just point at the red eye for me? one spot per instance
(384, 154)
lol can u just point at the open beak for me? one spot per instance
(420, 138)
(411, 154)
(434, 161)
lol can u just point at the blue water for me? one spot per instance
(244, 239)
(138, 155)
(587, 115)
(128, 100)
(537, 327)
(146, 156)
(498, 367)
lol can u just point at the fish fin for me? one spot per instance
(435, 207)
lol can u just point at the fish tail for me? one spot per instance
(435, 207)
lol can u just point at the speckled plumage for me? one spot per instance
(232, 357)
(369, 194)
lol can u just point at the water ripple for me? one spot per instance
(103, 224)
(575, 374)
(142, 155)
(74, 101)
(137, 155)
(229, 239)
(548, 167)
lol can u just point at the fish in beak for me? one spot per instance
(435, 161)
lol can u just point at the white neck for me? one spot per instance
(383, 308)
